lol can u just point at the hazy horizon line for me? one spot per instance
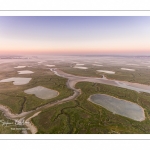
(121, 55)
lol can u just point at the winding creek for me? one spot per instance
(72, 80)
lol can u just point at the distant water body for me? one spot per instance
(17, 80)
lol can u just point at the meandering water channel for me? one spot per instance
(72, 80)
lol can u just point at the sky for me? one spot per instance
(112, 35)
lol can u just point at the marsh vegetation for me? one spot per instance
(71, 111)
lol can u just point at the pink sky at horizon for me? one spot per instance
(82, 52)
(75, 35)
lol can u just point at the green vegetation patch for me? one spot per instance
(81, 116)
(14, 97)
(140, 75)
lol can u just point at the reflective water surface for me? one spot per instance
(119, 106)
(42, 92)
